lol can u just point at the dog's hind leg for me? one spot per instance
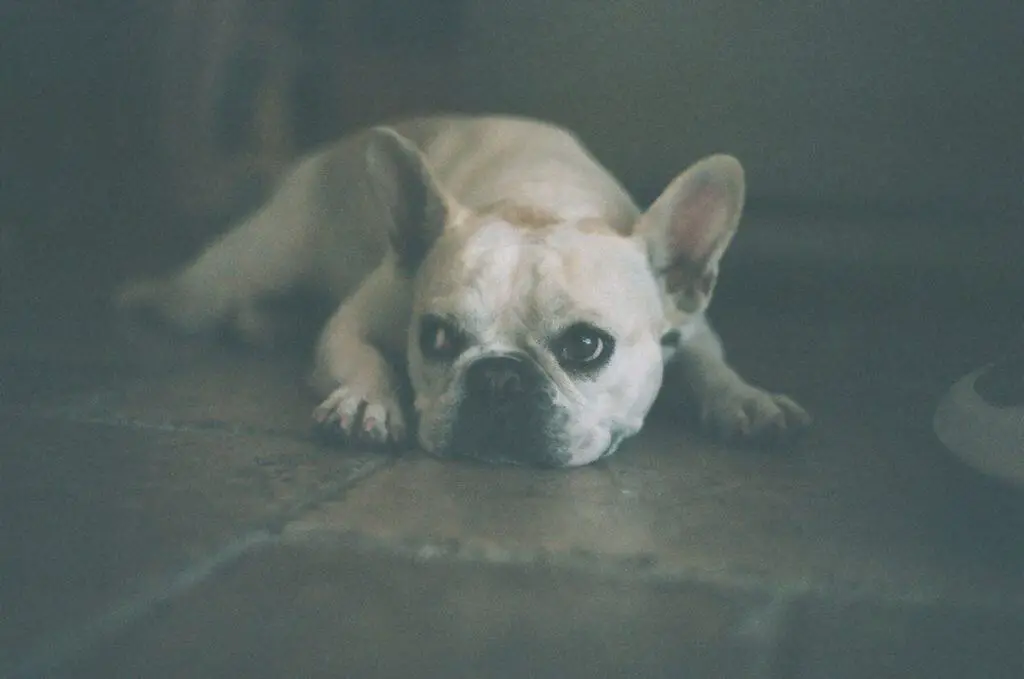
(270, 253)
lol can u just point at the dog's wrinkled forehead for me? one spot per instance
(498, 276)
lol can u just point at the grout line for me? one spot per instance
(788, 653)
(334, 492)
(51, 654)
(766, 634)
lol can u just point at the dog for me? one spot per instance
(500, 294)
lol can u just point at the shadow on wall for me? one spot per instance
(874, 106)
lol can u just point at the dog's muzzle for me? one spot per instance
(507, 413)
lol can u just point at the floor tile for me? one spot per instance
(301, 611)
(87, 364)
(128, 457)
(234, 391)
(861, 504)
(92, 516)
(856, 640)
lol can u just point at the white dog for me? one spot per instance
(496, 268)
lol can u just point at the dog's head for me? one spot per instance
(535, 339)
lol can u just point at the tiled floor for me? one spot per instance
(165, 512)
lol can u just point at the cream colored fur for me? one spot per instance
(510, 226)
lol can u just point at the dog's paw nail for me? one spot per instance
(361, 418)
(375, 415)
(322, 413)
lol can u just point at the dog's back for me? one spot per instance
(325, 225)
(491, 160)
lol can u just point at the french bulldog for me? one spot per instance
(501, 296)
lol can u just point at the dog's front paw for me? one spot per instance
(746, 413)
(361, 416)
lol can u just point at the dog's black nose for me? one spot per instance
(507, 413)
(498, 379)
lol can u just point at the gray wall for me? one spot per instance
(903, 102)
(839, 109)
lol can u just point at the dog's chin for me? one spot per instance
(559, 460)
(550, 451)
(501, 450)
(603, 445)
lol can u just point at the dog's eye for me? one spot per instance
(583, 347)
(440, 340)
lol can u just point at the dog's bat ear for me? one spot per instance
(688, 228)
(404, 185)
